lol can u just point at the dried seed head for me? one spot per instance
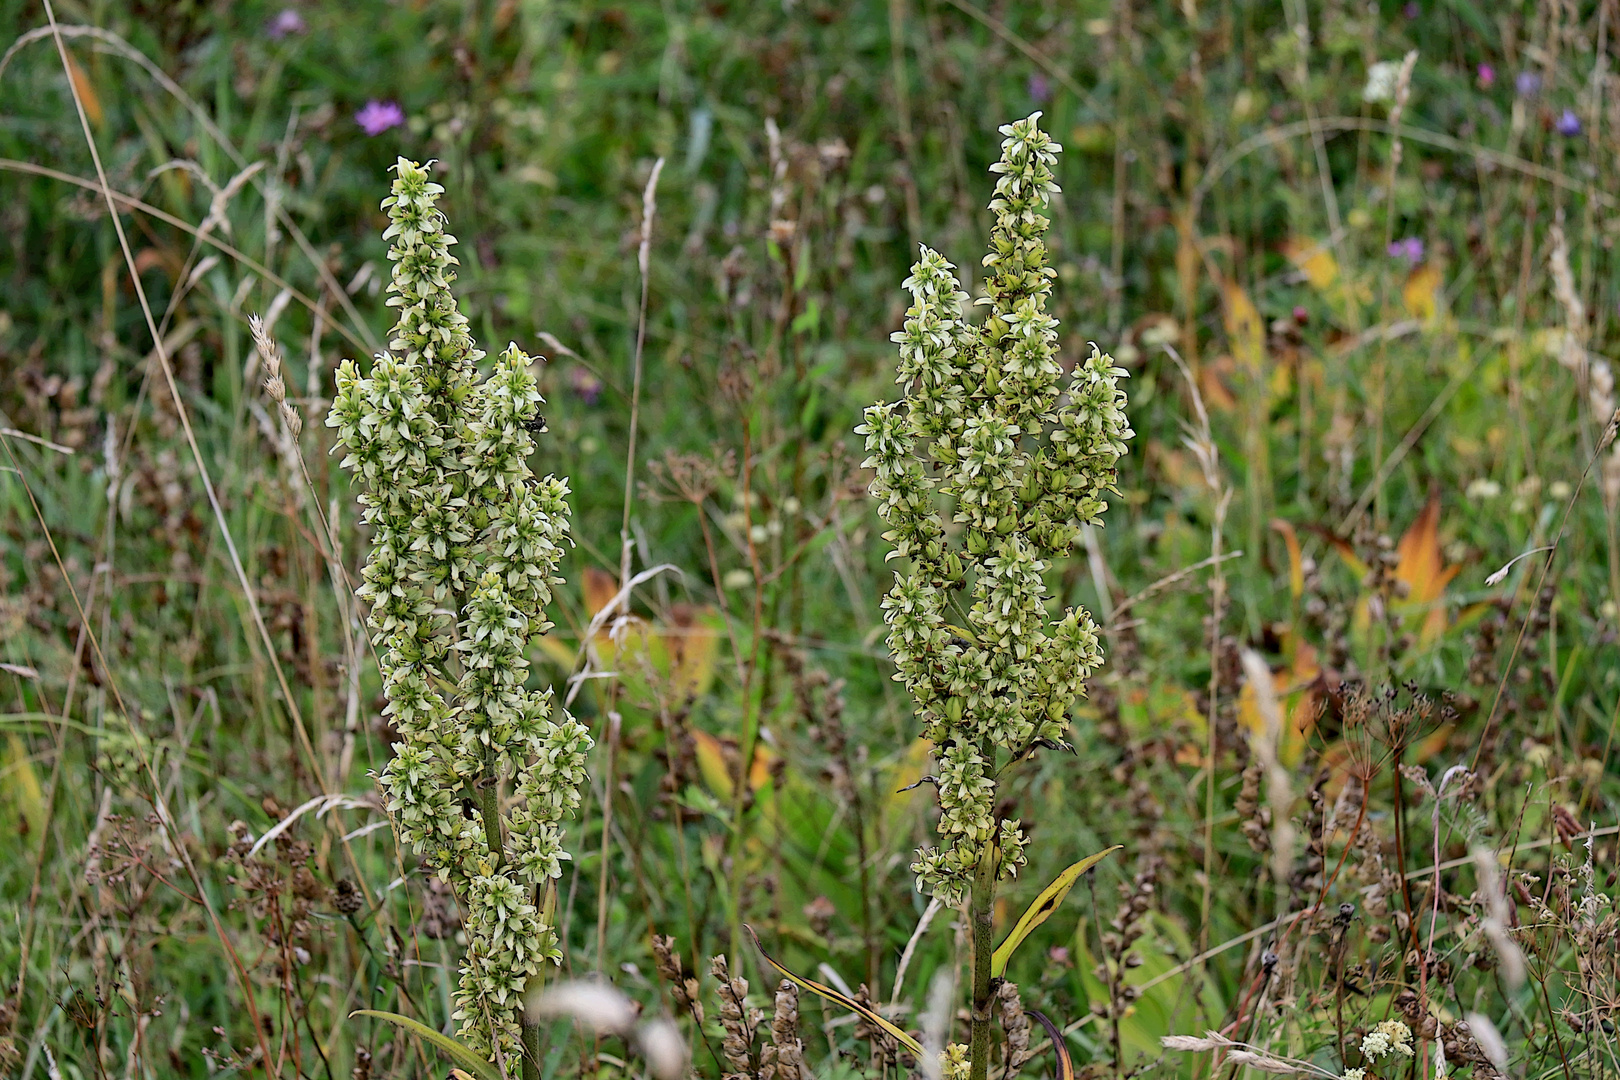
(1015, 1022)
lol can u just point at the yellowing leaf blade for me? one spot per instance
(871, 1016)
(1060, 1045)
(1314, 260)
(1041, 909)
(1419, 292)
(26, 786)
(1244, 328)
(1296, 560)
(712, 764)
(456, 1051)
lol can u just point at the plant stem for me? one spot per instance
(980, 904)
(531, 1050)
(489, 808)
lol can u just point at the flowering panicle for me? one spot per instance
(466, 542)
(1023, 459)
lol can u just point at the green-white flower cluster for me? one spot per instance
(986, 470)
(466, 542)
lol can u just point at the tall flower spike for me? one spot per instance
(1022, 458)
(460, 525)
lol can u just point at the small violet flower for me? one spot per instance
(378, 116)
(1487, 76)
(1411, 10)
(1568, 123)
(1526, 83)
(1040, 90)
(1409, 248)
(586, 385)
(286, 24)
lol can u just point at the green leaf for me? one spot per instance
(869, 1015)
(455, 1051)
(1042, 909)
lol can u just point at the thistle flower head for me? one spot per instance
(466, 544)
(1020, 457)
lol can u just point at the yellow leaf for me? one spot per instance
(30, 796)
(902, 775)
(1297, 681)
(712, 764)
(1418, 294)
(760, 771)
(86, 92)
(559, 653)
(1041, 909)
(1296, 563)
(691, 643)
(1244, 328)
(1314, 260)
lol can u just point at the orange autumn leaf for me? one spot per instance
(1422, 569)
(600, 589)
(86, 92)
(713, 765)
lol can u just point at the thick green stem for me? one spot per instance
(489, 808)
(531, 1051)
(980, 903)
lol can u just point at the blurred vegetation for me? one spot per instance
(1363, 379)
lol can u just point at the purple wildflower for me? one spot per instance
(1411, 10)
(1409, 248)
(1487, 76)
(1568, 124)
(1527, 84)
(586, 385)
(378, 116)
(287, 23)
(1040, 90)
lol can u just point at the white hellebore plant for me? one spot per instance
(466, 542)
(986, 470)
